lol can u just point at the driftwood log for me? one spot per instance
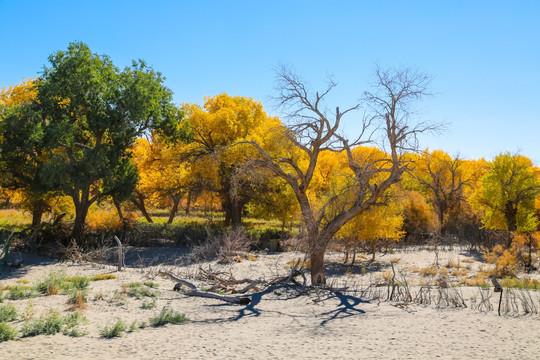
(192, 289)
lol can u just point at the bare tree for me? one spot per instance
(313, 130)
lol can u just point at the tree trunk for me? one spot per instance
(233, 212)
(176, 201)
(38, 208)
(510, 214)
(188, 201)
(118, 209)
(316, 260)
(81, 210)
(138, 201)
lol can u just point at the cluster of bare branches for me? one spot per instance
(225, 247)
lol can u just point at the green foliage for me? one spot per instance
(75, 135)
(72, 324)
(525, 283)
(148, 304)
(8, 313)
(7, 332)
(151, 284)
(109, 332)
(138, 291)
(168, 316)
(49, 324)
(58, 281)
(19, 292)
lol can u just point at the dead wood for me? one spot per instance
(224, 284)
(196, 292)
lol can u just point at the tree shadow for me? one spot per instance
(27, 261)
(347, 307)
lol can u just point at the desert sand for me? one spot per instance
(276, 325)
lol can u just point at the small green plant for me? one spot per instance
(151, 284)
(143, 325)
(168, 316)
(7, 332)
(8, 313)
(57, 281)
(52, 284)
(138, 291)
(109, 332)
(72, 323)
(49, 324)
(133, 327)
(19, 292)
(149, 304)
(77, 283)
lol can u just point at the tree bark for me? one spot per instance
(138, 201)
(118, 209)
(37, 212)
(176, 201)
(316, 259)
(82, 202)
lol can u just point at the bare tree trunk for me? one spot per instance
(138, 201)
(316, 259)
(176, 201)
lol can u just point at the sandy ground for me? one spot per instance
(275, 325)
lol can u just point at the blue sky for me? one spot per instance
(484, 56)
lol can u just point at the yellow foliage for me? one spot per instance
(106, 219)
(23, 93)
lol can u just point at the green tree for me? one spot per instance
(92, 113)
(22, 153)
(507, 194)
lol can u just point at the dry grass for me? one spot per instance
(430, 270)
(460, 272)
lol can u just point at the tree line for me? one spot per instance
(90, 132)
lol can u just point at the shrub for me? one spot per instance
(526, 283)
(149, 304)
(8, 313)
(138, 291)
(19, 292)
(168, 316)
(77, 299)
(109, 332)
(77, 282)
(505, 261)
(50, 324)
(52, 284)
(71, 325)
(7, 332)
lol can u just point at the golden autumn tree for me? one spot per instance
(443, 179)
(165, 175)
(222, 122)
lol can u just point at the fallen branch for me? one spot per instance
(196, 292)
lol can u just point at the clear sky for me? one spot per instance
(484, 56)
